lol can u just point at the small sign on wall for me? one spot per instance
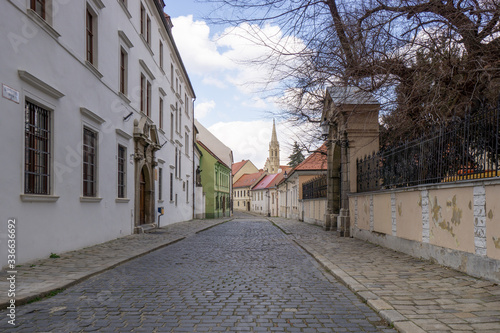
(10, 94)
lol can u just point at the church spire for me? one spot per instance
(274, 137)
(273, 164)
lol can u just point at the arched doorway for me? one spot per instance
(146, 144)
(145, 199)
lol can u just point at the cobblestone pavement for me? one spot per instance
(414, 295)
(244, 275)
(41, 277)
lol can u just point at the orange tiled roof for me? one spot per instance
(316, 161)
(237, 166)
(249, 179)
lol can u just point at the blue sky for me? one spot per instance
(228, 103)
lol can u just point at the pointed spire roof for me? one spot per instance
(274, 137)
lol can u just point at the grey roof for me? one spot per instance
(350, 95)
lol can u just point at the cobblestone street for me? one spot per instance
(243, 275)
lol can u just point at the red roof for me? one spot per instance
(266, 181)
(237, 166)
(248, 179)
(211, 153)
(281, 175)
(316, 161)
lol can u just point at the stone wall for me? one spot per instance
(457, 225)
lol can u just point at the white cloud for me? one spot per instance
(212, 81)
(250, 139)
(260, 54)
(202, 109)
(234, 56)
(199, 52)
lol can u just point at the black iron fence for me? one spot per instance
(314, 188)
(463, 149)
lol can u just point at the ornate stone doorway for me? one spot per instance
(146, 144)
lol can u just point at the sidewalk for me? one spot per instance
(414, 295)
(45, 276)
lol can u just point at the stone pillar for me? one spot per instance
(354, 134)
(343, 220)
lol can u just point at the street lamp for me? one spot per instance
(325, 128)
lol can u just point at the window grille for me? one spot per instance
(171, 186)
(37, 150)
(122, 153)
(89, 163)
(160, 184)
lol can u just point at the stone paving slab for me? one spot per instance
(413, 295)
(42, 277)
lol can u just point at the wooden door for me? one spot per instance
(142, 199)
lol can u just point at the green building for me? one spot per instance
(216, 182)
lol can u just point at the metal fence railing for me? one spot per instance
(314, 188)
(463, 149)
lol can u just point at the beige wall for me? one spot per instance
(409, 215)
(382, 218)
(452, 219)
(493, 221)
(363, 220)
(247, 168)
(240, 203)
(314, 210)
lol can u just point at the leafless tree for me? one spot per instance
(426, 60)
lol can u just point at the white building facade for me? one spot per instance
(98, 123)
(260, 201)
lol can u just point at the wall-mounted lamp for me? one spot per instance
(325, 128)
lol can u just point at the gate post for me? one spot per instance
(353, 132)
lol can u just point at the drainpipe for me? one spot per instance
(268, 204)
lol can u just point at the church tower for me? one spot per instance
(274, 152)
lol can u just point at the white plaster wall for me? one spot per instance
(259, 205)
(68, 223)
